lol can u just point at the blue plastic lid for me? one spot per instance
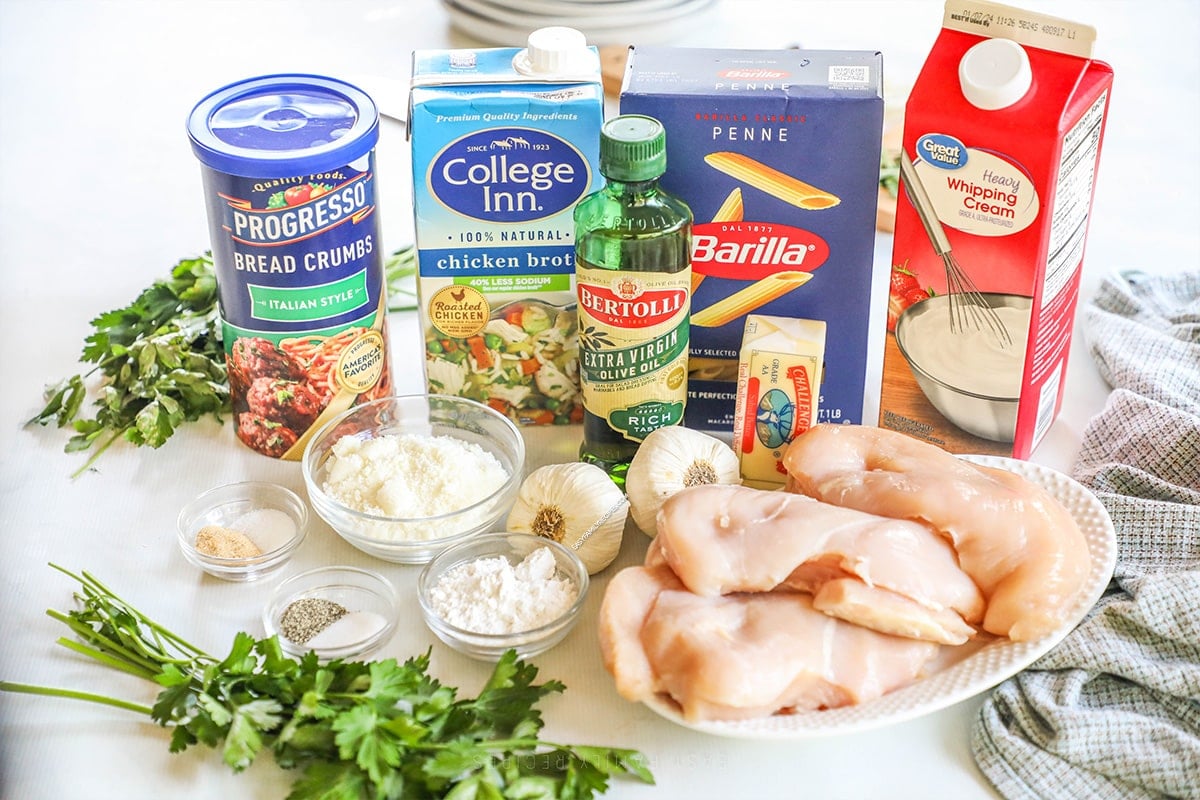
(277, 126)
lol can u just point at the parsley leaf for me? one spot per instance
(160, 363)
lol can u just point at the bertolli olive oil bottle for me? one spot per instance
(633, 244)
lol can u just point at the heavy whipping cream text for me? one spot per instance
(978, 190)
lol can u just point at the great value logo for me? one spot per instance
(752, 250)
(942, 150)
(509, 175)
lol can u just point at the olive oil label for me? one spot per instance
(633, 347)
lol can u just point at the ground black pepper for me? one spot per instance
(305, 618)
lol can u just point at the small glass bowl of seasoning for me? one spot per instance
(242, 531)
(336, 612)
(500, 591)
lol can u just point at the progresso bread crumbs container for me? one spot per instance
(289, 181)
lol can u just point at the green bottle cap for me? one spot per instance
(633, 148)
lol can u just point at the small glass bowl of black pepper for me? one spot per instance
(335, 612)
(502, 591)
(242, 531)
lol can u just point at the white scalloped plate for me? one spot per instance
(961, 672)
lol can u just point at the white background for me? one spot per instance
(100, 195)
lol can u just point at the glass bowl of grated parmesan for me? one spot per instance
(402, 478)
(503, 591)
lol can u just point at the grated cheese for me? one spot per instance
(412, 476)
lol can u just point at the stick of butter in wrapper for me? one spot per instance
(779, 385)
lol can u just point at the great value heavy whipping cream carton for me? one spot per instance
(777, 153)
(1002, 138)
(505, 142)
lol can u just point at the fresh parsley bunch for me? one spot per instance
(161, 362)
(354, 729)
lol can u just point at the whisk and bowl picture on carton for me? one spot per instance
(966, 348)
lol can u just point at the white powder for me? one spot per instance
(348, 629)
(269, 528)
(411, 476)
(490, 595)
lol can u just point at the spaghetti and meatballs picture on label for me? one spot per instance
(281, 389)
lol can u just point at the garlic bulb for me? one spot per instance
(576, 505)
(671, 459)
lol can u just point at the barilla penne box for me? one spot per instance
(778, 391)
(505, 142)
(1002, 137)
(777, 153)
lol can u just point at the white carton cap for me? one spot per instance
(556, 50)
(994, 74)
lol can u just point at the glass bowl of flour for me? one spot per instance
(503, 591)
(402, 478)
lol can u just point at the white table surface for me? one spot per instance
(101, 195)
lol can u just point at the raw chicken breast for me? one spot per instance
(1012, 537)
(627, 601)
(894, 576)
(745, 655)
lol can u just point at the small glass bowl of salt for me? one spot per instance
(500, 591)
(335, 612)
(242, 531)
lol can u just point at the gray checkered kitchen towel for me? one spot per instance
(1114, 710)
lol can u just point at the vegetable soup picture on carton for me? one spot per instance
(1001, 144)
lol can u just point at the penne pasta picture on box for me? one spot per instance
(777, 154)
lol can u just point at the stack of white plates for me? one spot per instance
(509, 22)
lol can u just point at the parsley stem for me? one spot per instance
(102, 643)
(108, 660)
(93, 586)
(92, 458)
(48, 691)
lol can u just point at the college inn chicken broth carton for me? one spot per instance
(1002, 137)
(777, 154)
(505, 142)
